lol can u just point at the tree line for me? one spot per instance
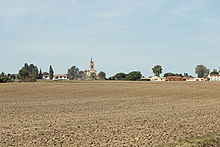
(200, 70)
(30, 73)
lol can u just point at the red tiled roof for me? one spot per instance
(217, 75)
(174, 77)
(59, 75)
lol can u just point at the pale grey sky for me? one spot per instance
(120, 35)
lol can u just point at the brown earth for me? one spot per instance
(107, 113)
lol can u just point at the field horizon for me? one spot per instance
(107, 113)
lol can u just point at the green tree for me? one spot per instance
(82, 75)
(28, 73)
(93, 76)
(157, 70)
(120, 76)
(111, 78)
(3, 74)
(186, 75)
(173, 74)
(33, 70)
(169, 74)
(102, 75)
(4, 78)
(40, 75)
(73, 73)
(202, 71)
(214, 72)
(134, 76)
(51, 72)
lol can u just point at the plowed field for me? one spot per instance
(107, 113)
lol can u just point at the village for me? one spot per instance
(91, 74)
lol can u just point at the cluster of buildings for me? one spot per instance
(211, 77)
(92, 71)
(88, 73)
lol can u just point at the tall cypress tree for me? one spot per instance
(40, 75)
(51, 72)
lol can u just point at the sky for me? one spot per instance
(120, 35)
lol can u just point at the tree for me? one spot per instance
(82, 75)
(93, 76)
(186, 75)
(214, 72)
(102, 75)
(33, 70)
(73, 73)
(28, 73)
(111, 78)
(134, 76)
(4, 78)
(3, 74)
(172, 74)
(169, 74)
(51, 72)
(120, 76)
(202, 71)
(40, 75)
(157, 70)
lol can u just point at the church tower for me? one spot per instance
(91, 66)
(91, 70)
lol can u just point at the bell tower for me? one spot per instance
(91, 66)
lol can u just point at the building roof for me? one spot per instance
(216, 75)
(60, 75)
(174, 77)
(13, 74)
(187, 78)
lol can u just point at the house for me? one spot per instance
(55, 77)
(214, 77)
(155, 78)
(174, 78)
(145, 79)
(202, 79)
(60, 77)
(163, 78)
(189, 79)
(46, 76)
(13, 76)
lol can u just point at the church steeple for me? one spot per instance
(91, 66)
(91, 70)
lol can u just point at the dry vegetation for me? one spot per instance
(107, 113)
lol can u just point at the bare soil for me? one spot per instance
(107, 113)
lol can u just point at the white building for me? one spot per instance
(46, 77)
(60, 77)
(214, 77)
(56, 77)
(155, 78)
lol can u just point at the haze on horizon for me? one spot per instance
(120, 35)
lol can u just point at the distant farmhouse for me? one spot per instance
(178, 78)
(13, 76)
(214, 77)
(174, 78)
